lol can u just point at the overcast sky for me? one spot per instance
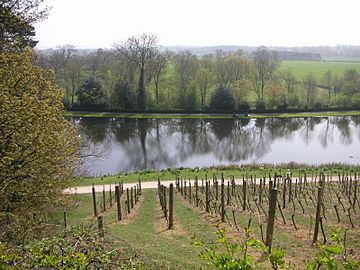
(100, 23)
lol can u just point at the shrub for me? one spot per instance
(260, 105)
(222, 100)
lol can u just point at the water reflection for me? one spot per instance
(134, 144)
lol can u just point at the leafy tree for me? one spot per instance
(91, 94)
(351, 82)
(16, 28)
(123, 96)
(38, 147)
(140, 50)
(222, 99)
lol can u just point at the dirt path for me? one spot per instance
(145, 185)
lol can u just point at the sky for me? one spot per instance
(101, 23)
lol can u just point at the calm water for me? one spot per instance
(118, 145)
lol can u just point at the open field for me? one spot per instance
(302, 68)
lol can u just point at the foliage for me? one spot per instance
(222, 100)
(17, 18)
(38, 147)
(334, 255)
(123, 97)
(183, 80)
(244, 107)
(226, 255)
(91, 94)
(78, 248)
(141, 51)
(260, 105)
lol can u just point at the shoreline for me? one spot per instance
(208, 115)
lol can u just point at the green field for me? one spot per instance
(302, 68)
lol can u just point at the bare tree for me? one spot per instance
(266, 62)
(327, 81)
(141, 50)
(205, 78)
(310, 87)
(157, 68)
(288, 82)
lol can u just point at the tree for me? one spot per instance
(222, 100)
(351, 82)
(310, 87)
(38, 147)
(266, 62)
(185, 68)
(328, 83)
(205, 79)
(157, 68)
(91, 94)
(16, 28)
(123, 96)
(141, 50)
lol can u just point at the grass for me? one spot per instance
(258, 171)
(302, 68)
(147, 234)
(209, 116)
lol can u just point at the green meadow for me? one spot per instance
(302, 68)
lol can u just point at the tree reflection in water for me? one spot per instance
(134, 144)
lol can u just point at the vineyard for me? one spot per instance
(294, 213)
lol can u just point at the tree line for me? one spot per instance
(138, 74)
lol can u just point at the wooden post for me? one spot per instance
(118, 205)
(128, 200)
(318, 212)
(271, 218)
(94, 200)
(207, 208)
(110, 197)
(132, 197)
(65, 220)
(139, 187)
(185, 189)
(196, 192)
(104, 199)
(284, 193)
(171, 206)
(222, 201)
(244, 195)
(100, 225)
(189, 191)
(228, 193)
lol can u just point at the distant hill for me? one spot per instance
(285, 53)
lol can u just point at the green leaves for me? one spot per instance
(38, 147)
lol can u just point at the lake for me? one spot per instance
(115, 145)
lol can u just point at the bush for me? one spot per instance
(222, 100)
(244, 107)
(260, 106)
